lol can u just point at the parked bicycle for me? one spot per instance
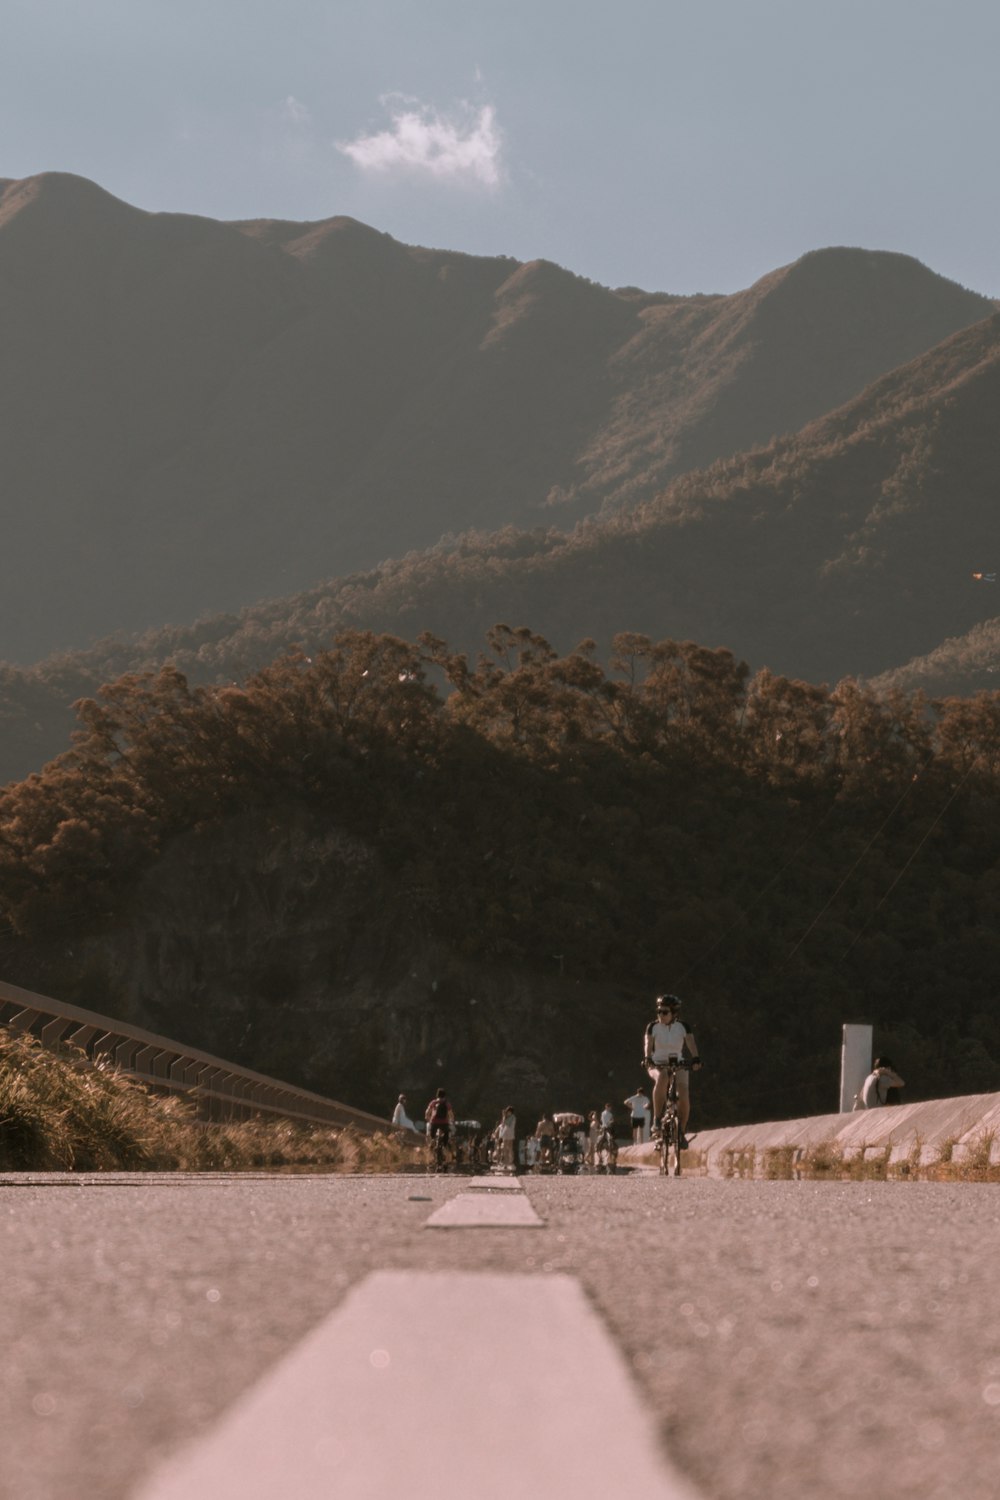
(569, 1152)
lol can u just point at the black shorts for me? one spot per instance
(638, 1121)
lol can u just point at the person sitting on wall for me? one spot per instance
(400, 1118)
(874, 1092)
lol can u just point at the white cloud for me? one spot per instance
(294, 110)
(464, 146)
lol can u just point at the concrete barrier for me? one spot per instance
(924, 1133)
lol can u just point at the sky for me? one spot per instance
(677, 145)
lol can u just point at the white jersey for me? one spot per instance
(665, 1042)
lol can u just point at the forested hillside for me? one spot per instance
(846, 550)
(338, 875)
(196, 415)
(962, 665)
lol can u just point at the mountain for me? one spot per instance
(845, 550)
(197, 415)
(960, 666)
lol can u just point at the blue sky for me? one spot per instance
(677, 145)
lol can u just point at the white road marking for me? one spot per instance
(438, 1381)
(485, 1211)
(500, 1184)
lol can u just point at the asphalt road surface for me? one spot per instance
(790, 1339)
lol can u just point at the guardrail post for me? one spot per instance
(82, 1037)
(53, 1031)
(24, 1019)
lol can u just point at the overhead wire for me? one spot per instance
(856, 865)
(875, 911)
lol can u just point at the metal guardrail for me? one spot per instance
(220, 1090)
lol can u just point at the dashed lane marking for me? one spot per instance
(443, 1382)
(485, 1211)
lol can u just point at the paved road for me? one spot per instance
(805, 1340)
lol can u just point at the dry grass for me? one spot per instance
(64, 1114)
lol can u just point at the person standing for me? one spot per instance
(545, 1133)
(400, 1118)
(667, 1039)
(506, 1135)
(593, 1131)
(638, 1103)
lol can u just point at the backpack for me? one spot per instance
(869, 1092)
(439, 1114)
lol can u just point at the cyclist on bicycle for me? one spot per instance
(666, 1040)
(440, 1118)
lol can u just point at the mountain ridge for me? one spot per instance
(847, 549)
(199, 414)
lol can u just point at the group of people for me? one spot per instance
(669, 1052)
(667, 1041)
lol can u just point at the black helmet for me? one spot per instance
(668, 1002)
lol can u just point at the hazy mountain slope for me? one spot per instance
(841, 551)
(195, 415)
(960, 666)
(845, 550)
(735, 372)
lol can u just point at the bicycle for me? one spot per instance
(669, 1124)
(439, 1147)
(606, 1151)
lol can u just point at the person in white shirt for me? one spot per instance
(638, 1103)
(667, 1040)
(874, 1092)
(506, 1132)
(400, 1118)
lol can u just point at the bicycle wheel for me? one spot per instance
(674, 1147)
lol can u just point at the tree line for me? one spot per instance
(563, 834)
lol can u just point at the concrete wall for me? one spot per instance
(958, 1127)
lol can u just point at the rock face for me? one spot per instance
(196, 415)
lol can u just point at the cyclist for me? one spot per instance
(440, 1118)
(666, 1040)
(605, 1141)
